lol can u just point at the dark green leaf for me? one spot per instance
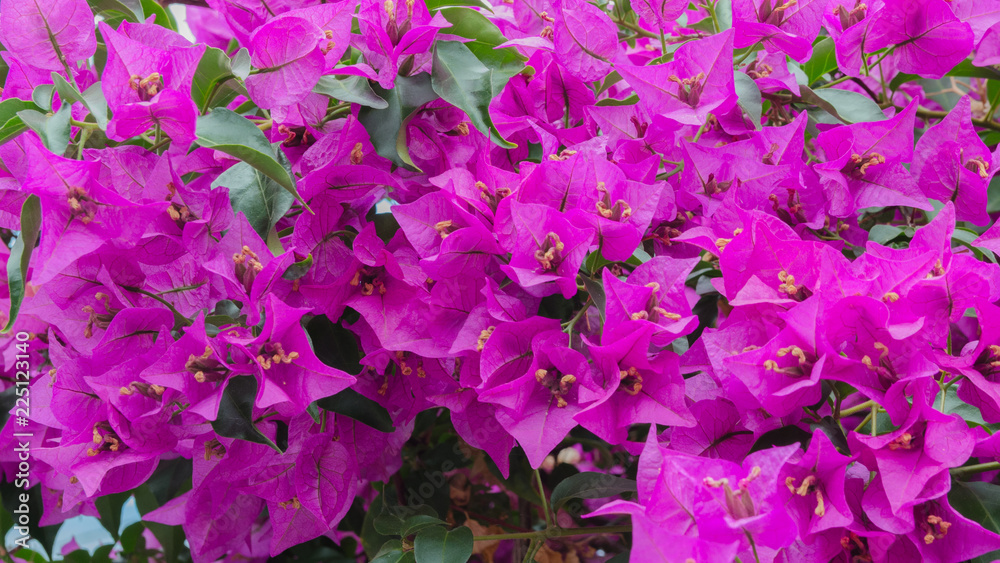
(620, 558)
(438, 545)
(590, 485)
(258, 197)
(109, 507)
(629, 101)
(237, 136)
(596, 291)
(847, 106)
(953, 405)
(53, 128)
(463, 81)
(354, 89)
(214, 67)
(784, 436)
(392, 552)
(298, 269)
(92, 98)
(352, 404)
(418, 522)
(235, 418)
(387, 127)
(170, 537)
(20, 256)
(749, 97)
(132, 537)
(823, 60)
(485, 38)
(371, 538)
(334, 345)
(979, 502)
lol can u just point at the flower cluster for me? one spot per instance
(278, 254)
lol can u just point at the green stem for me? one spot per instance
(541, 495)
(557, 533)
(993, 105)
(634, 28)
(710, 7)
(568, 327)
(663, 43)
(978, 468)
(857, 408)
(750, 51)
(178, 317)
(835, 81)
(83, 124)
(863, 422)
(874, 414)
(987, 124)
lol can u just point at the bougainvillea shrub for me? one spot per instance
(544, 280)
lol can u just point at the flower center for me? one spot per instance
(979, 165)
(295, 136)
(272, 353)
(738, 502)
(808, 485)
(99, 320)
(653, 312)
(369, 280)
(492, 198)
(144, 389)
(105, 440)
(205, 368)
(774, 15)
(549, 254)
(146, 87)
(214, 449)
(618, 211)
(852, 16)
(81, 205)
(631, 381)
(858, 166)
(483, 337)
(690, 88)
(247, 267)
(558, 384)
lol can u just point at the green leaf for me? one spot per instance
(392, 552)
(969, 70)
(163, 16)
(418, 522)
(235, 135)
(10, 124)
(438, 545)
(596, 291)
(352, 404)
(387, 127)
(884, 234)
(953, 405)
(170, 537)
(849, 107)
(92, 98)
(485, 38)
(53, 128)
(132, 539)
(214, 67)
(20, 256)
(258, 197)
(979, 502)
(354, 89)
(629, 101)
(438, 4)
(42, 96)
(235, 418)
(749, 97)
(589, 485)
(823, 60)
(298, 269)
(129, 10)
(241, 64)
(463, 81)
(109, 507)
